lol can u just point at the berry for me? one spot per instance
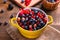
(51, 1)
(11, 16)
(36, 17)
(33, 16)
(5, 23)
(22, 1)
(0, 23)
(22, 27)
(26, 27)
(2, 11)
(26, 18)
(35, 25)
(23, 15)
(4, 1)
(40, 15)
(45, 20)
(18, 19)
(30, 27)
(26, 11)
(27, 2)
(10, 7)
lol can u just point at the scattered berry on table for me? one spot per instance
(11, 16)
(10, 7)
(0, 23)
(51, 1)
(1, 11)
(5, 23)
(22, 1)
(4, 1)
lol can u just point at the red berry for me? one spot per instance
(32, 12)
(30, 27)
(18, 19)
(21, 13)
(23, 27)
(26, 11)
(35, 25)
(27, 2)
(40, 15)
(45, 20)
(33, 16)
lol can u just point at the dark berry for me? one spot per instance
(26, 27)
(10, 7)
(11, 16)
(42, 24)
(38, 27)
(23, 15)
(4, 1)
(0, 23)
(36, 17)
(51, 1)
(22, 1)
(2, 11)
(36, 11)
(30, 20)
(27, 15)
(5, 23)
(27, 19)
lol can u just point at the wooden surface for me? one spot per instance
(5, 17)
(50, 33)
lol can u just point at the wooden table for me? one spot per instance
(5, 17)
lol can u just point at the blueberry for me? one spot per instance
(4, 1)
(10, 7)
(35, 28)
(36, 11)
(27, 15)
(2, 11)
(5, 23)
(23, 15)
(38, 27)
(36, 17)
(24, 23)
(26, 27)
(30, 13)
(31, 20)
(33, 23)
(27, 19)
(22, 1)
(0, 23)
(11, 16)
(51, 1)
(39, 19)
(42, 24)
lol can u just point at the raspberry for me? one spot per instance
(27, 2)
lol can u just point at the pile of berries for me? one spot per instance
(27, 2)
(31, 19)
(52, 1)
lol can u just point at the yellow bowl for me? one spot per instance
(27, 33)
